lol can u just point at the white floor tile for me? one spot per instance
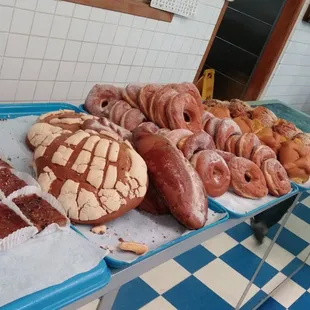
(277, 258)
(165, 276)
(158, 303)
(220, 244)
(225, 281)
(288, 293)
(91, 306)
(306, 201)
(303, 255)
(298, 227)
(273, 283)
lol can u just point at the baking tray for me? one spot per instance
(79, 286)
(115, 263)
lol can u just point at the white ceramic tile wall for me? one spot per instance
(290, 81)
(55, 50)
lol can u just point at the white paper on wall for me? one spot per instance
(185, 8)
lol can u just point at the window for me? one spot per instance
(134, 7)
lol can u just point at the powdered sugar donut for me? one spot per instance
(131, 94)
(231, 143)
(211, 126)
(145, 97)
(226, 155)
(225, 129)
(132, 118)
(246, 144)
(178, 134)
(118, 110)
(261, 153)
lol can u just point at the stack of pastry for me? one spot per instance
(169, 106)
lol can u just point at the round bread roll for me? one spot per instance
(95, 177)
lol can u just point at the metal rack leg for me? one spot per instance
(106, 302)
(285, 219)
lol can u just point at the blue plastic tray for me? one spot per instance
(79, 286)
(261, 208)
(114, 263)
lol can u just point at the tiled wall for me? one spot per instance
(56, 51)
(290, 81)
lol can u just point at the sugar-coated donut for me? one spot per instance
(261, 153)
(131, 94)
(194, 143)
(132, 118)
(230, 145)
(205, 117)
(247, 180)
(225, 129)
(219, 111)
(163, 131)
(239, 108)
(145, 97)
(188, 88)
(226, 155)
(276, 177)
(99, 97)
(246, 144)
(183, 112)
(118, 110)
(211, 126)
(178, 134)
(264, 115)
(213, 171)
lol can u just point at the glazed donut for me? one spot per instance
(270, 138)
(145, 97)
(261, 153)
(118, 110)
(211, 126)
(131, 94)
(264, 115)
(220, 112)
(231, 143)
(245, 124)
(99, 97)
(131, 119)
(225, 129)
(276, 177)
(246, 144)
(194, 143)
(247, 180)
(160, 108)
(205, 117)
(239, 108)
(178, 134)
(226, 155)
(213, 172)
(286, 129)
(183, 112)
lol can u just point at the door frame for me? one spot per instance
(272, 50)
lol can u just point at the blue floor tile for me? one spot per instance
(254, 301)
(302, 303)
(134, 295)
(288, 240)
(195, 258)
(271, 304)
(302, 212)
(303, 196)
(302, 277)
(245, 262)
(240, 232)
(191, 294)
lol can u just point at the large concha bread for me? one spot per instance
(95, 177)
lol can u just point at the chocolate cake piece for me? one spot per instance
(9, 182)
(39, 211)
(9, 221)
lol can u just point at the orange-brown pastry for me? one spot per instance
(215, 103)
(304, 138)
(239, 108)
(270, 138)
(264, 115)
(219, 111)
(296, 161)
(286, 129)
(245, 124)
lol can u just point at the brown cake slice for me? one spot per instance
(39, 211)
(9, 182)
(9, 221)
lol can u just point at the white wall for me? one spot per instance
(56, 51)
(290, 81)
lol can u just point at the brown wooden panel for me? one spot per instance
(134, 7)
(274, 48)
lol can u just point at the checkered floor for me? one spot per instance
(214, 274)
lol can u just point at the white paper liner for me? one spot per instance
(43, 262)
(29, 190)
(27, 178)
(19, 236)
(237, 204)
(142, 227)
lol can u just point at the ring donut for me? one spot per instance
(145, 97)
(197, 142)
(189, 88)
(247, 180)
(246, 144)
(261, 153)
(163, 131)
(213, 171)
(178, 134)
(239, 108)
(132, 118)
(205, 117)
(230, 145)
(226, 155)
(99, 97)
(211, 126)
(264, 115)
(225, 129)
(118, 110)
(155, 99)
(276, 177)
(131, 94)
(183, 112)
